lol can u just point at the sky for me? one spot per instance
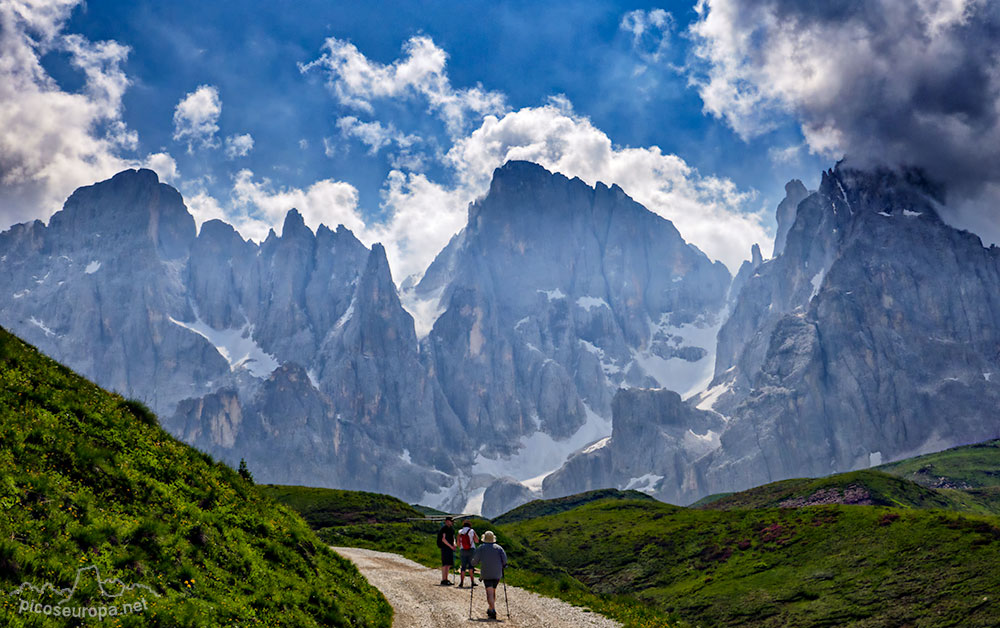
(389, 118)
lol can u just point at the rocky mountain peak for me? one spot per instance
(131, 206)
(795, 192)
(295, 227)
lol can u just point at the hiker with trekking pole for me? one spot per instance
(446, 541)
(467, 539)
(493, 561)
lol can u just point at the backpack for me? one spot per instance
(465, 539)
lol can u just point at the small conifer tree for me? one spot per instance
(244, 471)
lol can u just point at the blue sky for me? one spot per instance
(633, 88)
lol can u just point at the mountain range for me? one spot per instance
(574, 341)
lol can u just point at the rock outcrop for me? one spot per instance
(874, 335)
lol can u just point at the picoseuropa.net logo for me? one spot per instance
(51, 601)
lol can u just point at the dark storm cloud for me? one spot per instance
(897, 82)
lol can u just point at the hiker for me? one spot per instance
(493, 560)
(446, 541)
(467, 539)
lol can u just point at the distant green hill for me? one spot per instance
(868, 487)
(325, 507)
(88, 479)
(971, 466)
(965, 479)
(542, 507)
(803, 567)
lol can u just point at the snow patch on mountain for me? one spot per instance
(701, 444)
(540, 454)
(601, 444)
(236, 345)
(816, 282)
(710, 396)
(644, 483)
(589, 303)
(609, 367)
(553, 294)
(39, 324)
(346, 316)
(92, 267)
(682, 376)
(474, 505)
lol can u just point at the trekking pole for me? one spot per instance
(505, 602)
(472, 591)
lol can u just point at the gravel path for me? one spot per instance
(420, 602)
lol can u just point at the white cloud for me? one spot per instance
(196, 118)
(786, 154)
(260, 205)
(303, 143)
(650, 31)
(356, 81)
(708, 211)
(422, 214)
(329, 147)
(375, 135)
(371, 134)
(164, 166)
(204, 207)
(239, 145)
(51, 140)
(423, 217)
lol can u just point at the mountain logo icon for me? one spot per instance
(112, 588)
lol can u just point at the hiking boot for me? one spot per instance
(461, 586)
(492, 614)
(445, 583)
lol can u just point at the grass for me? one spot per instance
(969, 467)
(963, 479)
(325, 507)
(881, 489)
(812, 566)
(89, 478)
(542, 507)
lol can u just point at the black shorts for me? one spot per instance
(466, 557)
(490, 583)
(447, 556)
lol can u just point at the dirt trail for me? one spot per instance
(420, 602)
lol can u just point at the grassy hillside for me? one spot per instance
(325, 507)
(815, 566)
(87, 478)
(866, 487)
(964, 479)
(542, 507)
(968, 467)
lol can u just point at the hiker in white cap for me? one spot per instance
(493, 560)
